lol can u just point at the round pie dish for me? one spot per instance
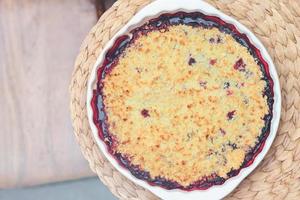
(162, 16)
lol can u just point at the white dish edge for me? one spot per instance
(155, 9)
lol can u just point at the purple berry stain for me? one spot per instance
(192, 61)
(229, 92)
(230, 115)
(145, 113)
(239, 65)
(213, 61)
(223, 132)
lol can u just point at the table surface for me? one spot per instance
(84, 189)
(39, 41)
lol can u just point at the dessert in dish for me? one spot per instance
(184, 101)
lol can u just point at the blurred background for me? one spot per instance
(39, 157)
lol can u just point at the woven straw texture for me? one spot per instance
(277, 24)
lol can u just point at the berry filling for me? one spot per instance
(162, 23)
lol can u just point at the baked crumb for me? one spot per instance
(204, 114)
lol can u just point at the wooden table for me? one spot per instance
(39, 41)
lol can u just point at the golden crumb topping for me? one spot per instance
(185, 103)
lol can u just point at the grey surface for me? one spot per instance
(84, 189)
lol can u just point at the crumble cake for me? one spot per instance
(184, 101)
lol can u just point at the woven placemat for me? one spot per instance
(277, 24)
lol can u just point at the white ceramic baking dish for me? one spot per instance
(171, 6)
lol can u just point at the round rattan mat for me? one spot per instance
(277, 24)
